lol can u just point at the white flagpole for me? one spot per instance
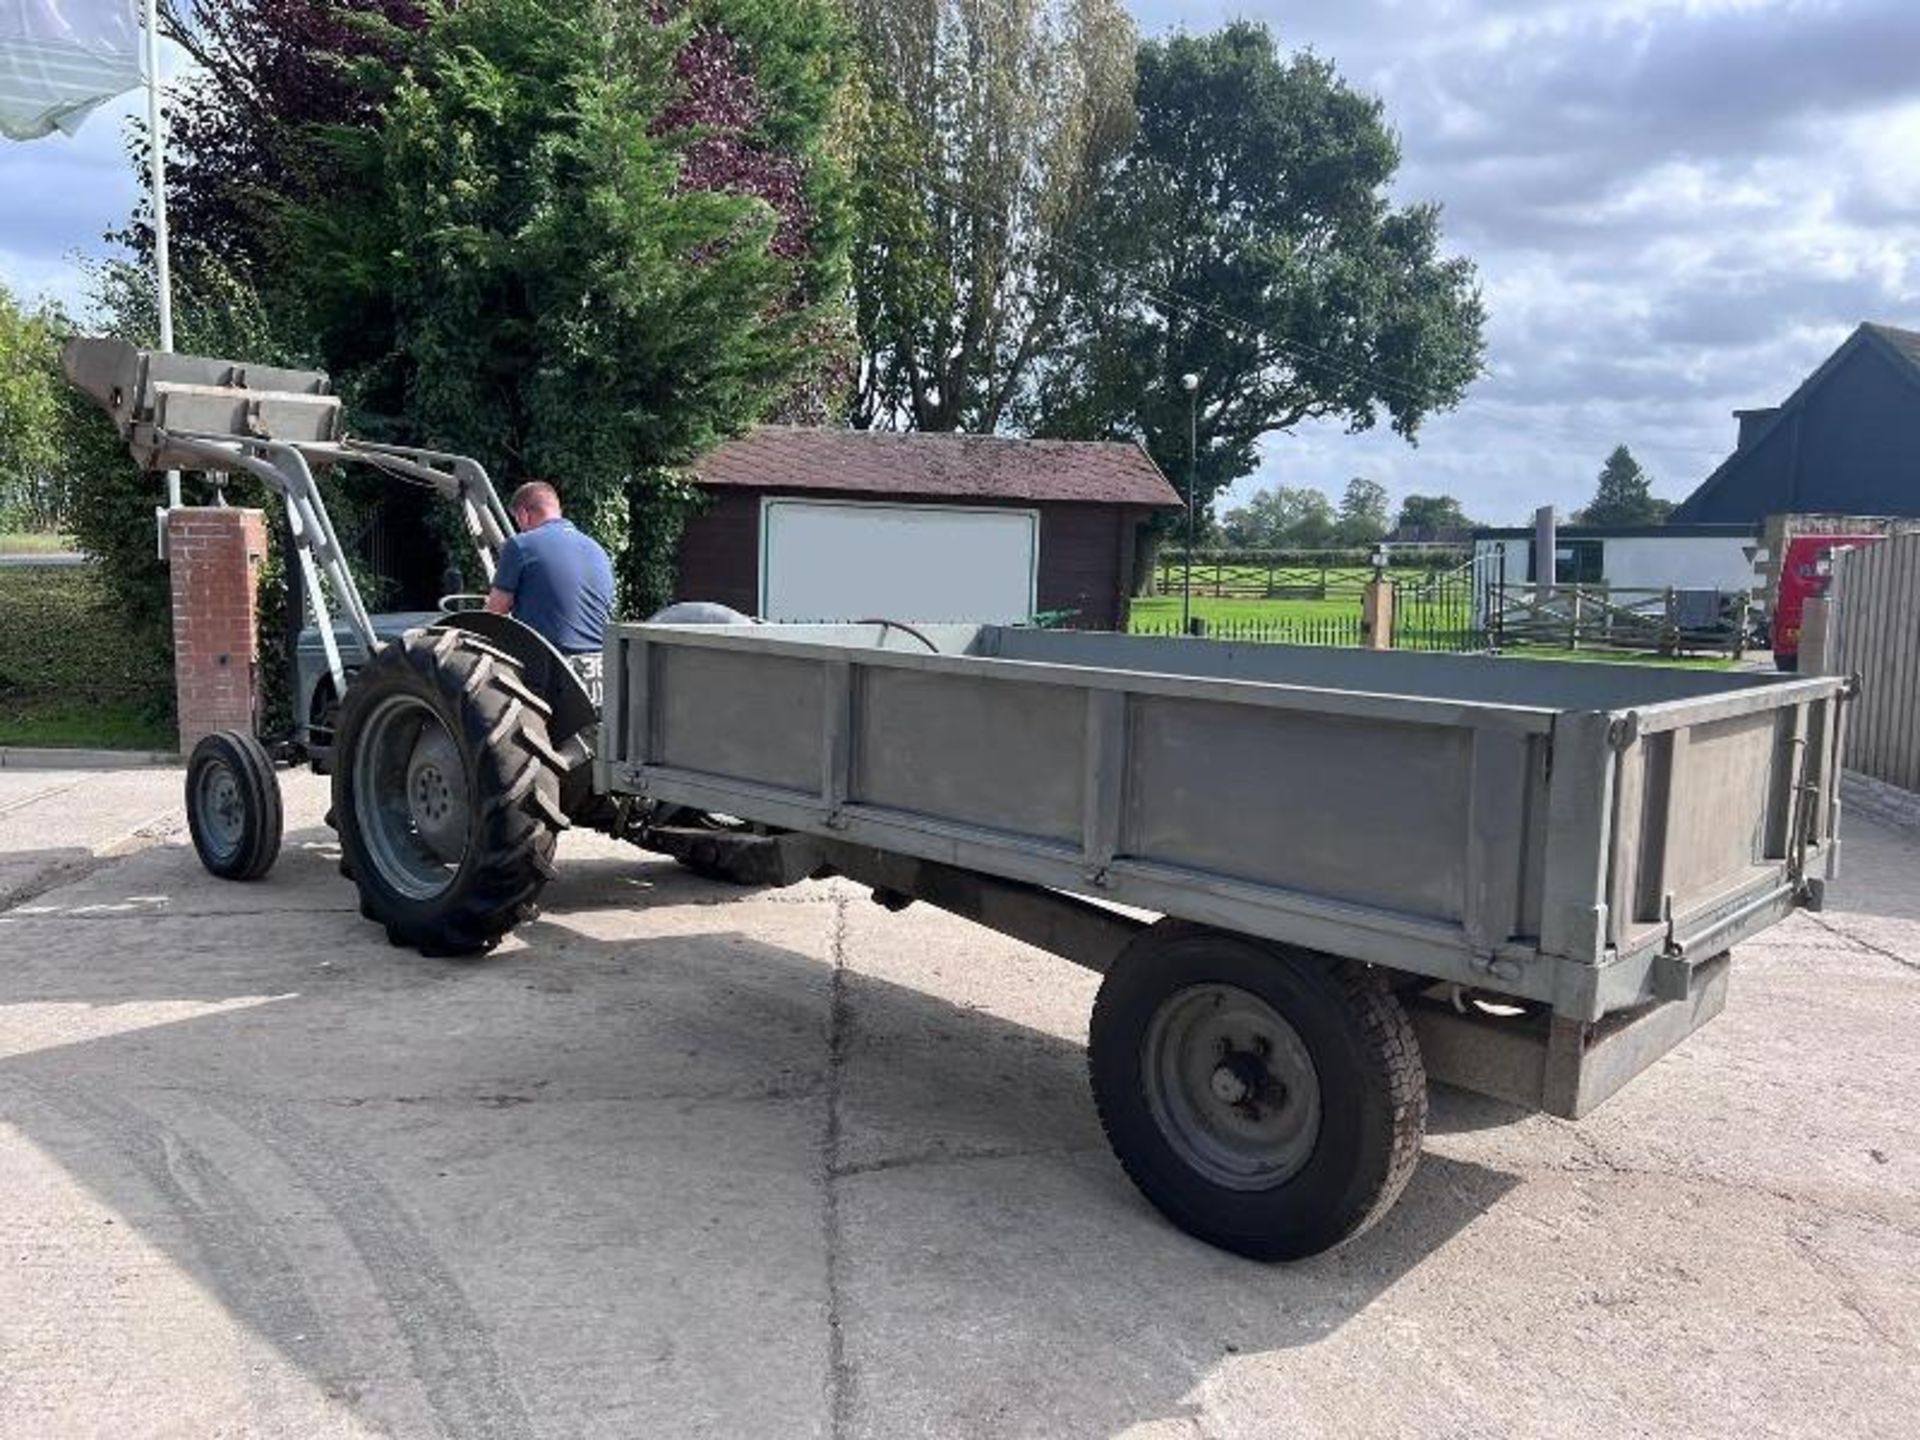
(157, 161)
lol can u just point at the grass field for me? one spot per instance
(1619, 657)
(1156, 612)
(33, 542)
(127, 726)
(1426, 626)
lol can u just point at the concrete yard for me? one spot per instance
(682, 1160)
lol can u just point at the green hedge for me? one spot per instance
(63, 642)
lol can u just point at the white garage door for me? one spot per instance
(847, 560)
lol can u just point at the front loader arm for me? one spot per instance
(194, 412)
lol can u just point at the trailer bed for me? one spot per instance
(1580, 835)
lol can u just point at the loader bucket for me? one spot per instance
(152, 395)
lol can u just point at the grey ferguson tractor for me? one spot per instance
(459, 742)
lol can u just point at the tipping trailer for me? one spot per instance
(1372, 869)
(1311, 879)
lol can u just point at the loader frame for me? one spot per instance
(192, 412)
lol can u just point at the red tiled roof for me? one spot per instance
(918, 463)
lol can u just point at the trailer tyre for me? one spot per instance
(233, 805)
(446, 793)
(1267, 1100)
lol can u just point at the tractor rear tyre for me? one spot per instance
(233, 805)
(1267, 1100)
(446, 792)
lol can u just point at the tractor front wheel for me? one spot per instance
(233, 805)
(446, 792)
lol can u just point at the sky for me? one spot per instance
(59, 196)
(1678, 208)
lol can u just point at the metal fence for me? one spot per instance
(1438, 609)
(1447, 609)
(1875, 618)
(1307, 630)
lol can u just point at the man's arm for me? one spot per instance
(506, 579)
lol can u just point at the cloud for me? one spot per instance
(60, 196)
(52, 190)
(1678, 208)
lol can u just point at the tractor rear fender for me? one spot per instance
(544, 668)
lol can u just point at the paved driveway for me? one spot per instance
(681, 1161)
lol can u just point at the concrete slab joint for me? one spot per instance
(685, 1159)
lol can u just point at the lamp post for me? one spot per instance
(1191, 384)
(157, 162)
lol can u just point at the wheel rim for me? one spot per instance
(1231, 1086)
(412, 799)
(221, 808)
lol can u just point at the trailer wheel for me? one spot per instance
(1267, 1100)
(233, 805)
(446, 793)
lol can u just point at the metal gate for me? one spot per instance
(1448, 610)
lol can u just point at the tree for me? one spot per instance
(988, 126)
(1624, 495)
(544, 255)
(1279, 517)
(1432, 516)
(246, 126)
(725, 125)
(34, 479)
(1253, 526)
(1311, 523)
(1363, 512)
(1247, 237)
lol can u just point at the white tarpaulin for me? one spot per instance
(61, 58)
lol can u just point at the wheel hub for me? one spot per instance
(1231, 1086)
(411, 797)
(436, 793)
(223, 814)
(1243, 1080)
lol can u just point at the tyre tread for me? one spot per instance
(1390, 1060)
(241, 752)
(483, 698)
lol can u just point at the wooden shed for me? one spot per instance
(817, 524)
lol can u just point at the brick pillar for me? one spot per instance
(1376, 615)
(215, 557)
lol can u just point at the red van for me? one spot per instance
(1806, 570)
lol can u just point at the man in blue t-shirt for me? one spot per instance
(551, 576)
